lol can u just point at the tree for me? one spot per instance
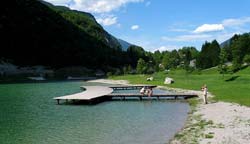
(215, 53)
(209, 55)
(135, 53)
(171, 59)
(125, 70)
(157, 56)
(187, 59)
(228, 50)
(141, 66)
(165, 59)
(192, 50)
(240, 47)
(247, 59)
(223, 59)
(129, 69)
(157, 60)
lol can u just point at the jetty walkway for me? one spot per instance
(95, 94)
(90, 93)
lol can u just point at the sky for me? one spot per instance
(167, 24)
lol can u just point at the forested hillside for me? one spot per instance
(34, 33)
(237, 50)
(86, 22)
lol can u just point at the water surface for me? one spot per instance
(28, 114)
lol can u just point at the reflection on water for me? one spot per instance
(28, 114)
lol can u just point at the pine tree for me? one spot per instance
(223, 59)
(141, 66)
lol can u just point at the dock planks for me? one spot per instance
(91, 92)
(175, 96)
(131, 87)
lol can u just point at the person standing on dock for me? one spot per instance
(204, 89)
(142, 91)
(150, 91)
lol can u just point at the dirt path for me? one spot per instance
(234, 121)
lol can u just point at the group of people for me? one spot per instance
(149, 91)
(146, 91)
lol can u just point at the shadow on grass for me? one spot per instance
(232, 78)
(244, 67)
(239, 69)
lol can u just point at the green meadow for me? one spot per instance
(230, 88)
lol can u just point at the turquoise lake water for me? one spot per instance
(29, 115)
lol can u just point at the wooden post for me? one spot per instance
(140, 97)
(57, 101)
(158, 98)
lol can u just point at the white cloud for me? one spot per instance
(107, 20)
(209, 28)
(236, 22)
(148, 3)
(94, 6)
(188, 38)
(135, 27)
(167, 47)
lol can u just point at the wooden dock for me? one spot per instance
(90, 93)
(93, 94)
(132, 87)
(158, 96)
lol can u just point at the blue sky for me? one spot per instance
(168, 24)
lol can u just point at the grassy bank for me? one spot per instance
(230, 88)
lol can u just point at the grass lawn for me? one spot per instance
(232, 88)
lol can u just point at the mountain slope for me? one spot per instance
(225, 43)
(86, 22)
(35, 34)
(125, 45)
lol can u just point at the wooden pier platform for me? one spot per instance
(132, 87)
(90, 93)
(102, 93)
(158, 96)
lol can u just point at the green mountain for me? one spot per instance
(38, 33)
(86, 22)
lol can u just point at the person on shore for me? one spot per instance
(204, 89)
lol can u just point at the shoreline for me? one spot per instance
(215, 122)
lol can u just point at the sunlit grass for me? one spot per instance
(230, 88)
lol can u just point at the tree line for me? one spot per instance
(212, 54)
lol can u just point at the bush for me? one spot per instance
(109, 74)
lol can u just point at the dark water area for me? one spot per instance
(29, 115)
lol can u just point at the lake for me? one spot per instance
(29, 115)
